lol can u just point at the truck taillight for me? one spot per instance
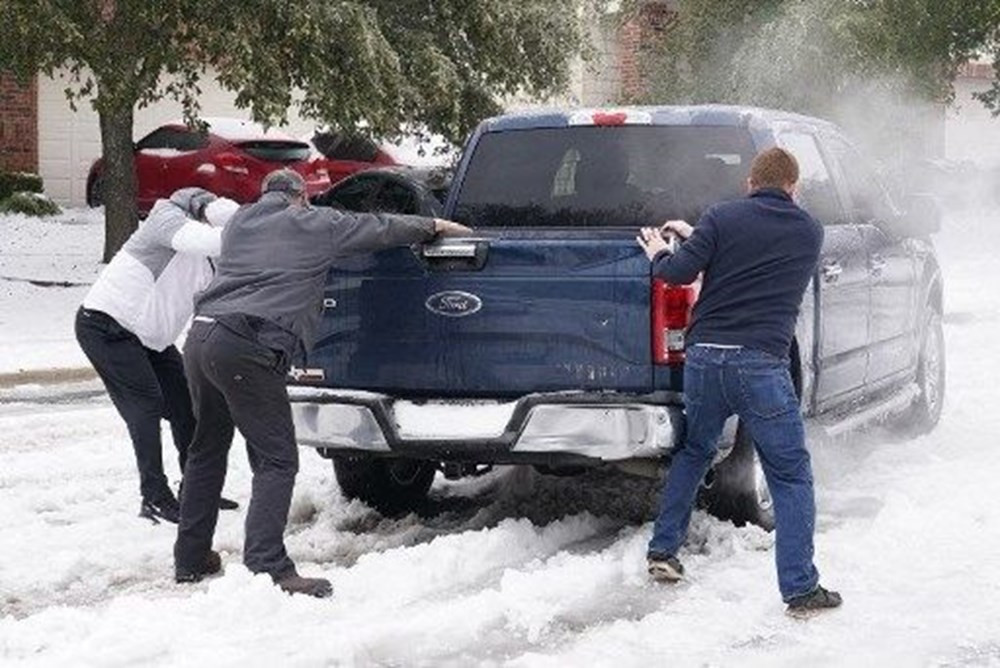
(671, 314)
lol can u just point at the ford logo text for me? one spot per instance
(453, 303)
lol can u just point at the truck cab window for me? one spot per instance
(816, 190)
(869, 198)
(589, 176)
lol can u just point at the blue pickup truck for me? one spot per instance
(545, 341)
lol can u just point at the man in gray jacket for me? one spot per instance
(260, 310)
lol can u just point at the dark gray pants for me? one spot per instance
(145, 386)
(235, 379)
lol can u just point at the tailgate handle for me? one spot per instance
(453, 255)
(449, 250)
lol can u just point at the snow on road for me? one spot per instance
(517, 568)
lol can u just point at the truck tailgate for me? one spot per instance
(504, 315)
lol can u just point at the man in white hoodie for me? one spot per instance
(132, 316)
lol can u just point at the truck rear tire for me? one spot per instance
(739, 492)
(390, 486)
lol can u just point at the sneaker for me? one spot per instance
(296, 584)
(665, 569)
(166, 509)
(809, 604)
(211, 566)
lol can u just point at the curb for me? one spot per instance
(44, 283)
(46, 376)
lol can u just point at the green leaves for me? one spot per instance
(379, 64)
(805, 54)
(368, 65)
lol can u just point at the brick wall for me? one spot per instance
(645, 27)
(18, 124)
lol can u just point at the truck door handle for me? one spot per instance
(449, 250)
(832, 271)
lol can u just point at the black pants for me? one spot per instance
(145, 386)
(234, 379)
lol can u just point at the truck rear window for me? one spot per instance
(602, 176)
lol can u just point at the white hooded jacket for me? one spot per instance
(149, 285)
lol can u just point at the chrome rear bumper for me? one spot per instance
(605, 426)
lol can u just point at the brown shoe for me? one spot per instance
(296, 584)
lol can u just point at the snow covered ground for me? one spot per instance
(36, 317)
(514, 569)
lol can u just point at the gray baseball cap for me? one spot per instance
(283, 181)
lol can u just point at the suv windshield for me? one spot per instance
(602, 176)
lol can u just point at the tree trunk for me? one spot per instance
(119, 183)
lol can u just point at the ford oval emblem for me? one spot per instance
(453, 303)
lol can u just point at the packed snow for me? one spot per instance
(512, 569)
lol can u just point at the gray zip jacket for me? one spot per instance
(149, 285)
(275, 258)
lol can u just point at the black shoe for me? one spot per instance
(212, 565)
(296, 584)
(815, 601)
(166, 509)
(664, 569)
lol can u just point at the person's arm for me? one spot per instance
(366, 232)
(690, 258)
(197, 239)
(168, 225)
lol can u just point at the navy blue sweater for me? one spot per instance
(758, 254)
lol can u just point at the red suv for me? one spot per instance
(230, 159)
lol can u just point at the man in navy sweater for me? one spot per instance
(757, 255)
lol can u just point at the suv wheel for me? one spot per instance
(95, 191)
(925, 413)
(739, 491)
(391, 486)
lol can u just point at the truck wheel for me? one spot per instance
(925, 413)
(391, 486)
(739, 492)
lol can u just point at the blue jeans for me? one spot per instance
(757, 387)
